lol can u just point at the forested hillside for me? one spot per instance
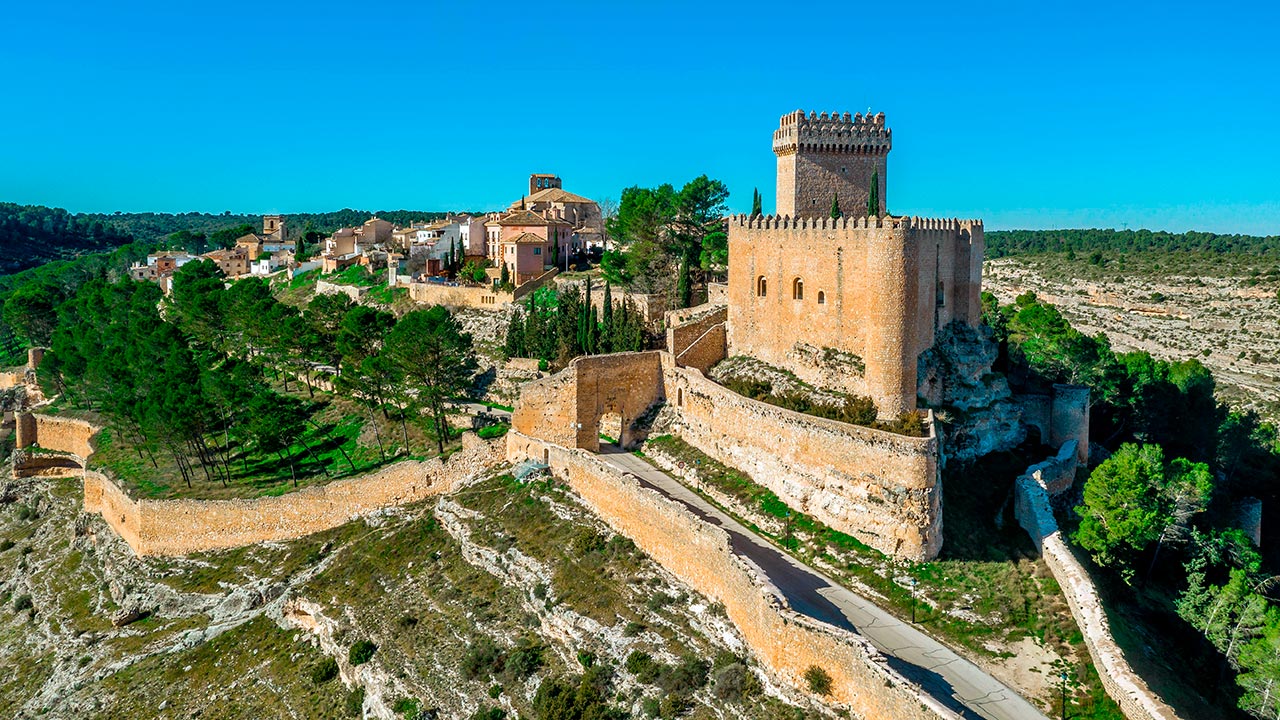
(156, 227)
(1021, 242)
(33, 234)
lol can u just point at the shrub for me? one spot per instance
(324, 671)
(361, 652)
(644, 667)
(633, 629)
(25, 512)
(525, 659)
(492, 713)
(734, 683)
(5, 544)
(495, 691)
(22, 602)
(686, 677)
(482, 658)
(818, 679)
(407, 707)
(355, 702)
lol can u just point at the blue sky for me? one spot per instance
(1161, 115)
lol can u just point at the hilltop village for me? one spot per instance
(775, 443)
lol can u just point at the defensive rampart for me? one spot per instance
(177, 527)
(71, 437)
(473, 296)
(700, 555)
(698, 337)
(878, 486)
(1035, 515)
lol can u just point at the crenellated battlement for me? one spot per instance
(786, 222)
(856, 134)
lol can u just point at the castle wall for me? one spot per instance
(1034, 514)
(698, 337)
(178, 527)
(623, 383)
(53, 432)
(877, 486)
(879, 281)
(1070, 418)
(699, 553)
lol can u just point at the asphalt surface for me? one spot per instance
(953, 681)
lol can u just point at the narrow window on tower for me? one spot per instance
(797, 289)
(942, 295)
(822, 298)
(761, 286)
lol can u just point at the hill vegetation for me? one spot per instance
(31, 235)
(1001, 243)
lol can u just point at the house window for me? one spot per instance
(761, 286)
(537, 251)
(797, 289)
(822, 298)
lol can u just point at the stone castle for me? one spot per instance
(847, 302)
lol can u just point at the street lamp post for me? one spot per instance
(1063, 687)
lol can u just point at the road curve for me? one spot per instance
(952, 680)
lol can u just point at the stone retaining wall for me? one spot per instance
(51, 432)
(1034, 514)
(698, 339)
(699, 553)
(177, 527)
(880, 487)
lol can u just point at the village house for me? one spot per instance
(524, 243)
(547, 197)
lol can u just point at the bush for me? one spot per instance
(489, 432)
(324, 671)
(818, 679)
(361, 652)
(407, 707)
(482, 658)
(25, 512)
(686, 677)
(644, 667)
(355, 702)
(5, 544)
(22, 602)
(525, 659)
(734, 683)
(492, 713)
(633, 629)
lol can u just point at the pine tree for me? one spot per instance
(756, 206)
(873, 197)
(835, 205)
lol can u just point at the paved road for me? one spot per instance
(954, 681)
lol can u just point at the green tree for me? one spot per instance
(873, 194)
(505, 278)
(756, 205)
(835, 206)
(1135, 499)
(437, 359)
(31, 311)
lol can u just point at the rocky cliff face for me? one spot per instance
(975, 404)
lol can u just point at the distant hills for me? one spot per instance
(32, 235)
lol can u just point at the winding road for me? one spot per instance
(957, 683)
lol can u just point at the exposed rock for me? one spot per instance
(977, 408)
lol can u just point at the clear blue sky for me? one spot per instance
(1162, 115)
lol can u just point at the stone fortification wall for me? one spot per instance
(566, 408)
(1058, 473)
(698, 337)
(699, 553)
(880, 487)
(473, 296)
(877, 288)
(1035, 515)
(1060, 417)
(52, 432)
(13, 378)
(177, 527)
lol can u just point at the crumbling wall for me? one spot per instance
(178, 527)
(880, 487)
(1034, 513)
(52, 432)
(700, 555)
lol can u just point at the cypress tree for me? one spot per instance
(593, 332)
(606, 321)
(835, 205)
(873, 197)
(756, 207)
(505, 277)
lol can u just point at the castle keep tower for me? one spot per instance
(822, 156)
(852, 302)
